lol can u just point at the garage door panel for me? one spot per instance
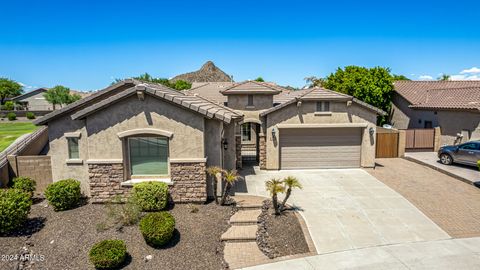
(320, 148)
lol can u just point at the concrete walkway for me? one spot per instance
(468, 174)
(349, 209)
(449, 254)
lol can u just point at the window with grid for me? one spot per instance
(73, 152)
(246, 130)
(323, 106)
(148, 155)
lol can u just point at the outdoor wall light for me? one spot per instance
(273, 132)
(225, 144)
(371, 131)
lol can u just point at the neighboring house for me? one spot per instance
(35, 101)
(134, 131)
(454, 106)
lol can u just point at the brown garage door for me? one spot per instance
(318, 148)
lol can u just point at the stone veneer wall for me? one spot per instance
(238, 151)
(263, 152)
(189, 182)
(105, 180)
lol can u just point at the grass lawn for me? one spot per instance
(9, 132)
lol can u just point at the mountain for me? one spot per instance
(207, 73)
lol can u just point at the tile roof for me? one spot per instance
(455, 98)
(318, 93)
(440, 94)
(253, 87)
(191, 102)
(210, 90)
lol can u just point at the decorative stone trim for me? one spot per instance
(105, 182)
(262, 151)
(139, 131)
(74, 161)
(189, 182)
(104, 161)
(73, 134)
(187, 160)
(238, 151)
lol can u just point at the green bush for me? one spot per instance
(9, 106)
(151, 196)
(24, 183)
(108, 254)
(14, 208)
(157, 228)
(11, 116)
(64, 194)
(30, 115)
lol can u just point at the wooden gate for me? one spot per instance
(419, 139)
(387, 145)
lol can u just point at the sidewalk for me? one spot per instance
(464, 173)
(442, 254)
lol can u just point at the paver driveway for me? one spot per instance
(348, 208)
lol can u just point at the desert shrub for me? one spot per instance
(157, 228)
(25, 184)
(64, 194)
(151, 196)
(30, 115)
(14, 208)
(11, 116)
(9, 106)
(108, 254)
(123, 214)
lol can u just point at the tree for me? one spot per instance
(371, 85)
(400, 78)
(313, 81)
(230, 177)
(216, 173)
(444, 77)
(9, 88)
(177, 85)
(290, 183)
(259, 79)
(275, 186)
(60, 95)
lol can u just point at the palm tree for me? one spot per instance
(444, 77)
(230, 178)
(290, 183)
(216, 173)
(275, 186)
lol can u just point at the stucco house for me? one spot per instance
(454, 106)
(33, 101)
(134, 131)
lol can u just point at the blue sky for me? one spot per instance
(85, 44)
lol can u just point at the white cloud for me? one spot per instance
(425, 77)
(472, 70)
(461, 77)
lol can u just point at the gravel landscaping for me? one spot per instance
(62, 240)
(281, 235)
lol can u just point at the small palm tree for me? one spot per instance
(275, 186)
(216, 173)
(230, 177)
(290, 183)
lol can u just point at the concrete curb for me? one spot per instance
(458, 177)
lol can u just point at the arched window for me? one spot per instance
(148, 155)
